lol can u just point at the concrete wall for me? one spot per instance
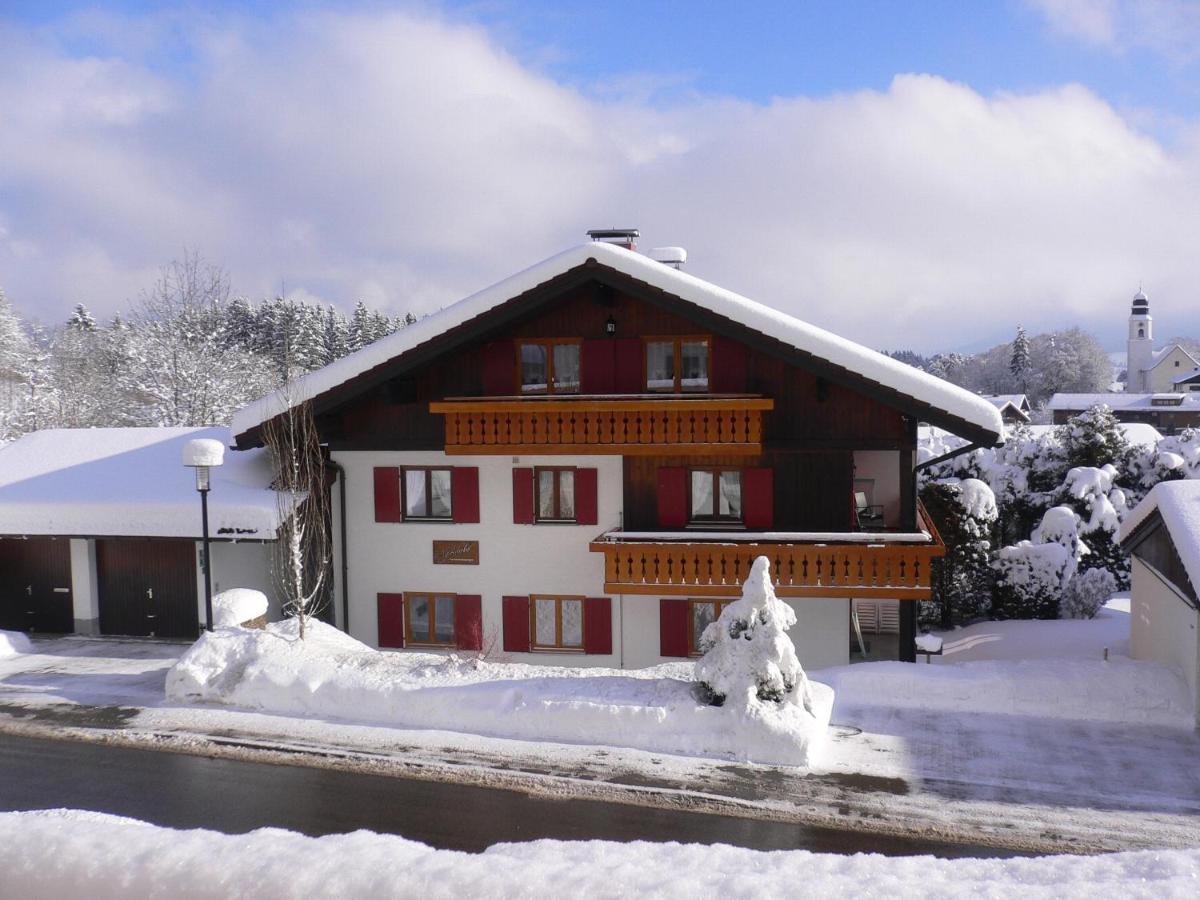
(882, 466)
(85, 597)
(1164, 628)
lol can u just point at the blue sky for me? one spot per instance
(1025, 160)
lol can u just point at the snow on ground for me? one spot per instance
(61, 853)
(1016, 639)
(332, 675)
(238, 605)
(12, 643)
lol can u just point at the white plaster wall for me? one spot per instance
(884, 467)
(1162, 376)
(1164, 629)
(244, 564)
(85, 599)
(513, 559)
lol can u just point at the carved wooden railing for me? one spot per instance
(604, 425)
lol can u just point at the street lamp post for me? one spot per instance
(204, 454)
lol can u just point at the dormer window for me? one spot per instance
(549, 366)
(675, 365)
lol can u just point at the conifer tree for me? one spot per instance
(1019, 364)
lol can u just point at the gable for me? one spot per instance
(1152, 543)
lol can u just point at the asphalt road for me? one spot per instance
(234, 796)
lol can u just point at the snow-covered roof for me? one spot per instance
(868, 364)
(1002, 400)
(1186, 376)
(1178, 503)
(130, 482)
(1161, 354)
(1142, 434)
(1121, 401)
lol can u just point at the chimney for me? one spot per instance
(622, 237)
(674, 257)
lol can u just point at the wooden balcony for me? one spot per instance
(855, 565)
(627, 425)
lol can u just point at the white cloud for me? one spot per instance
(406, 161)
(1169, 27)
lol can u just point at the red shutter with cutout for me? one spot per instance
(387, 494)
(672, 498)
(597, 625)
(585, 497)
(758, 499)
(673, 628)
(522, 496)
(516, 624)
(468, 621)
(464, 494)
(596, 367)
(390, 609)
(627, 366)
(729, 366)
(499, 369)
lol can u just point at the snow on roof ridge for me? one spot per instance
(868, 363)
(1178, 502)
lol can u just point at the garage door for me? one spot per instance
(35, 585)
(147, 588)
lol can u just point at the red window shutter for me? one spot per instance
(758, 498)
(516, 624)
(464, 493)
(729, 366)
(597, 625)
(523, 496)
(673, 628)
(387, 494)
(596, 367)
(468, 621)
(585, 497)
(499, 369)
(627, 366)
(391, 619)
(672, 498)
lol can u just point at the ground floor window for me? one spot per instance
(557, 623)
(701, 614)
(429, 618)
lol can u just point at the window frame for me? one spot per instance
(716, 518)
(534, 646)
(537, 496)
(430, 640)
(694, 639)
(548, 344)
(678, 340)
(428, 517)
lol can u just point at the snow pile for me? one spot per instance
(238, 605)
(331, 675)
(65, 853)
(203, 452)
(12, 643)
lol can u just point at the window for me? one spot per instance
(426, 493)
(701, 614)
(549, 367)
(677, 364)
(715, 495)
(429, 618)
(557, 623)
(555, 495)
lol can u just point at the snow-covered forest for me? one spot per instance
(189, 351)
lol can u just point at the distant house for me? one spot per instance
(1168, 412)
(1187, 382)
(100, 528)
(1149, 370)
(1014, 408)
(1162, 535)
(578, 465)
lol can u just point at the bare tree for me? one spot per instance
(302, 558)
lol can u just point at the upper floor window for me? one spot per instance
(677, 364)
(715, 496)
(555, 495)
(429, 618)
(549, 366)
(426, 493)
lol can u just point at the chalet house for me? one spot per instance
(579, 464)
(1014, 408)
(1162, 537)
(1169, 413)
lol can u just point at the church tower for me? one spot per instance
(1139, 352)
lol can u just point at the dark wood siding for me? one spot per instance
(1155, 547)
(147, 587)
(35, 585)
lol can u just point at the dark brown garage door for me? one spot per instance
(35, 585)
(147, 588)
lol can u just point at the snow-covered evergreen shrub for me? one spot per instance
(1094, 438)
(965, 514)
(1031, 575)
(1092, 493)
(1086, 593)
(748, 657)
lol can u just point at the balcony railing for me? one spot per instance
(604, 424)
(707, 564)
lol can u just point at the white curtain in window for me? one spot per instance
(418, 615)
(414, 493)
(702, 498)
(546, 494)
(572, 623)
(544, 623)
(731, 494)
(566, 368)
(440, 492)
(566, 494)
(443, 624)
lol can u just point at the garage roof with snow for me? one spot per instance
(130, 482)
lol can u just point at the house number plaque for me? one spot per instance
(456, 553)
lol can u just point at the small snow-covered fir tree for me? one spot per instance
(965, 513)
(1019, 363)
(748, 657)
(1086, 593)
(1091, 491)
(1032, 575)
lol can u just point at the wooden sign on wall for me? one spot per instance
(456, 553)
